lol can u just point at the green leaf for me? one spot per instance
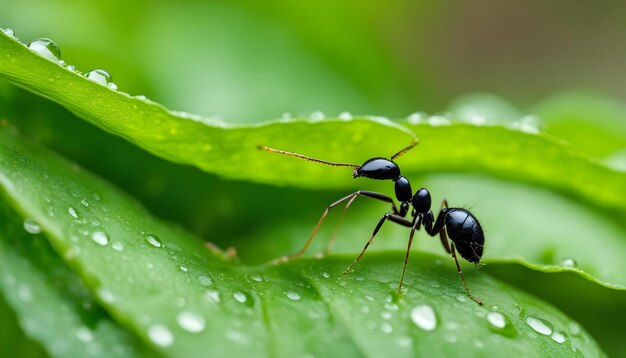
(53, 305)
(231, 151)
(186, 300)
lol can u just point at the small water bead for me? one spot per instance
(386, 327)
(84, 202)
(346, 116)
(100, 238)
(84, 334)
(105, 295)
(240, 296)
(112, 86)
(574, 328)
(9, 31)
(141, 97)
(416, 118)
(183, 268)
(212, 296)
(99, 76)
(46, 48)
(294, 296)
(191, 322)
(569, 262)
(72, 212)
(496, 320)
(424, 317)
(154, 241)
(538, 326)
(256, 278)
(316, 116)
(205, 280)
(437, 121)
(558, 337)
(160, 335)
(325, 274)
(385, 315)
(71, 68)
(31, 226)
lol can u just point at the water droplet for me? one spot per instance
(212, 296)
(160, 335)
(71, 67)
(416, 118)
(117, 246)
(141, 97)
(25, 294)
(451, 338)
(574, 328)
(100, 238)
(437, 121)
(325, 274)
(461, 298)
(234, 335)
(257, 278)
(46, 48)
(539, 326)
(496, 320)
(112, 86)
(84, 202)
(569, 262)
(424, 317)
(31, 226)
(558, 337)
(84, 334)
(316, 116)
(240, 296)
(9, 31)
(365, 309)
(154, 240)
(100, 76)
(528, 124)
(190, 322)
(346, 116)
(294, 296)
(72, 212)
(386, 314)
(205, 280)
(386, 327)
(183, 268)
(106, 295)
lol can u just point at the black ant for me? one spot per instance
(463, 229)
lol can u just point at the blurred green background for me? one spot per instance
(250, 61)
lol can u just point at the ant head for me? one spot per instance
(378, 168)
(421, 201)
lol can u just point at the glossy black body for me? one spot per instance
(462, 228)
(378, 168)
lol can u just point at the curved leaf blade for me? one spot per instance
(188, 301)
(230, 151)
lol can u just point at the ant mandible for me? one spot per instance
(457, 224)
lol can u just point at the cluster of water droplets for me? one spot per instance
(528, 124)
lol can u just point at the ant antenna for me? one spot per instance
(272, 150)
(405, 149)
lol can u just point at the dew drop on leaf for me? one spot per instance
(499, 323)
(294, 296)
(118, 246)
(205, 280)
(154, 241)
(72, 212)
(240, 297)
(46, 48)
(31, 226)
(569, 262)
(84, 334)
(212, 296)
(424, 317)
(190, 322)
(558, 337)
(316, 116)
(160, 335)
(9, 32)
(99, 76)
(100, 238)
(538, 326)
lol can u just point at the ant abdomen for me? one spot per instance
(466, 233)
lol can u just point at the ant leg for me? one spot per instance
(435, 228)
(369, 194)
(395, 218)
(405, 149)
(444, 240)
(416, 226)
(462, 278)
(332, 205)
